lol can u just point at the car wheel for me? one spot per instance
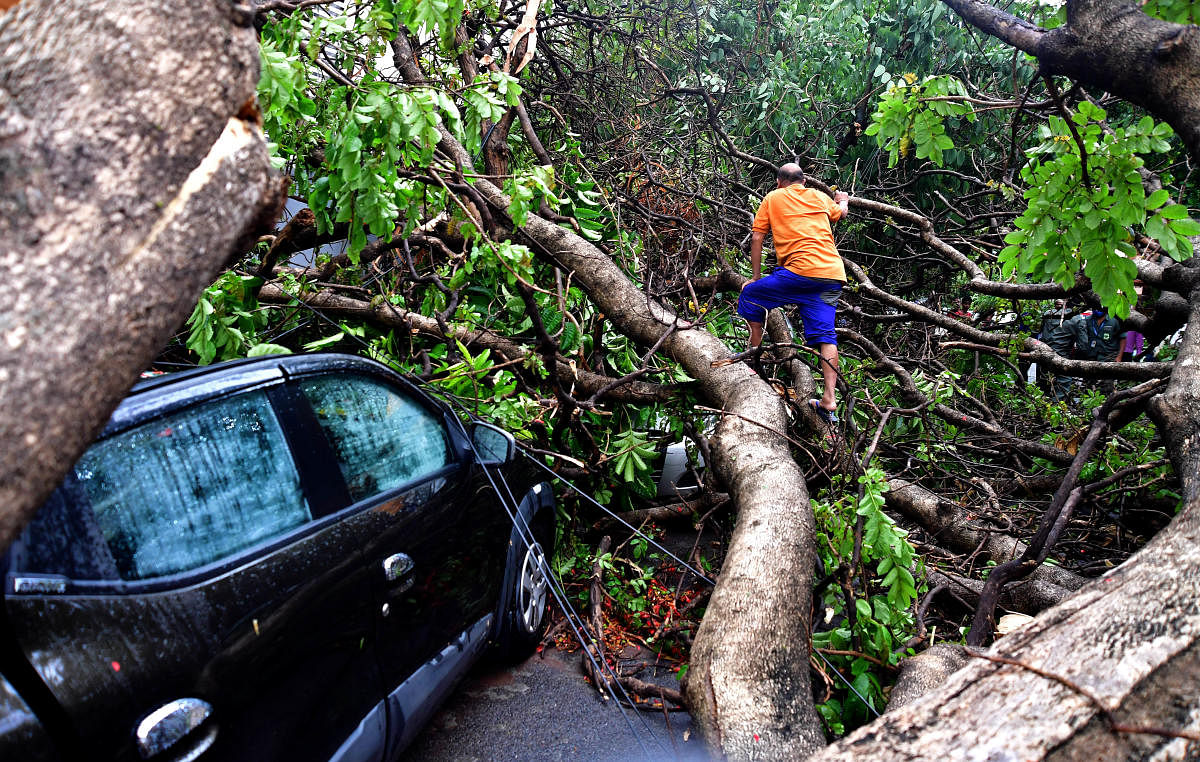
(532, 587)
(524, 621)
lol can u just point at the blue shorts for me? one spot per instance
(815, 298)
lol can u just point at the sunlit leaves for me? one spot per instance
(911, 117)
(882, 602)
(527, 189)
(631, 453)
(1071, 224)
(885, 541)
(486, 100)
(226, 319)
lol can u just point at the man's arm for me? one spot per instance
(756, 244)
(842, 199)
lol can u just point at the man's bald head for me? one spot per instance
(788, 174)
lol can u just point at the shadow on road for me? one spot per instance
(543, 710)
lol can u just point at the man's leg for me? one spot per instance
(829, 373)
(818, 310)
(755, 302)
(756, 330)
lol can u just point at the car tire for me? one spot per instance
(524, 620)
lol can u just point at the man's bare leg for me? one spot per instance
(829, 372)
(755, 333)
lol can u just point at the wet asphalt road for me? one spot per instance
(542, 710)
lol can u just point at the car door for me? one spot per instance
(187, 575)
(437, 556)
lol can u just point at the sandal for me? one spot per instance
(829, 416)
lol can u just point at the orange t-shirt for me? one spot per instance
(799, 220)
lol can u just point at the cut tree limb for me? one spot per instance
(130, 159)
(952, 527)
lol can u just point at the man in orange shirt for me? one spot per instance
(810, 273)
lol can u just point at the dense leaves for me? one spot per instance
(650, 130)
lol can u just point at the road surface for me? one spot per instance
(543, 711)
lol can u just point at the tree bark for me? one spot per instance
(130, 159)
(1130, 640)
(1112, 45)
(748, 684)
(955, 530)
(386, 314)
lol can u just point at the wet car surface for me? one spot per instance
(282, 558)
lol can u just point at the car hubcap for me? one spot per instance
(531, 593)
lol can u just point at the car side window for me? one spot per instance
(382, 439)
(191, 488)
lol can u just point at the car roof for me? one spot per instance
(157, 395)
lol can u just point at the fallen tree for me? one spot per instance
(131, 168)
(454, 211)
(1108, 673)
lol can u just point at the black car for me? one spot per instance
(284, 558)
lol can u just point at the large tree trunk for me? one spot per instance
(130, 167)
(748, 683)
(1130, 639)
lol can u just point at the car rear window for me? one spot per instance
(193, 487)
(382, 439)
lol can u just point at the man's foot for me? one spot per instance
(829, 416)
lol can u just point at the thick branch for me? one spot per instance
(340, 305)
(1114, 46)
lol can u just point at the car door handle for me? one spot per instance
(172, 723)
(395, 567)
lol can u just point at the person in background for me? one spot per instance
(1058, 333)
(1135, 344)
(1098, 337)
(810, 273)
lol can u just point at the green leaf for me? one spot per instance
(863, 608)
(1186, 227)
(1157, 198)
(260, 350)
(313, 346)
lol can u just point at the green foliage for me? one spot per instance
(632, 452)
(226, 319)
(527, 189)
(281, 93)
(487, 100)
(882, 600)
(1070, 224)
(1175, 11)
(378, 131)
(911, 117)
(424, 17)
(492, 391)
(884, 541)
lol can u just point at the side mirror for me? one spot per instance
(493, 446)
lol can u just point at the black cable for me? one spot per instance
(849, 685)
(617, 516)
(525, 532)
